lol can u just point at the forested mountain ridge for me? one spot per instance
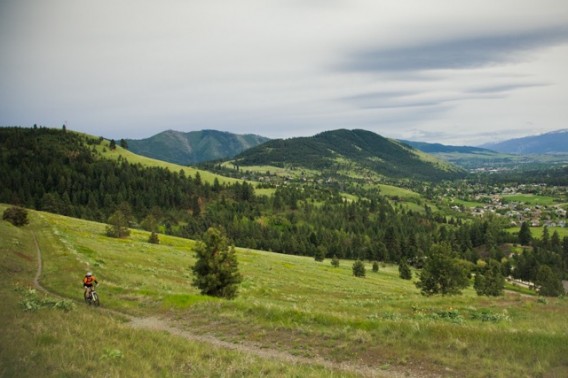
(347, 150)
(194, 146)
(553, 142)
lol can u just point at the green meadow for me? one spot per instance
(328, 322)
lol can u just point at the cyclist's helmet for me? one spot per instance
(89, 274)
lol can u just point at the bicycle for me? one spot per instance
(93, 298)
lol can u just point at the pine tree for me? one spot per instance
(335, 261)
(154, 238)
(358, 268)
(16, 215)
(548, 283)
(216, 270)
(525, 236)
(489, 280)
(404, 271)
(442, 272)
(375, 266)
(117, 226)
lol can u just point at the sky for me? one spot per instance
(453, 72)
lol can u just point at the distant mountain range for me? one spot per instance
(437, 148)
(555, 142)
(194, 146)
(349, 151)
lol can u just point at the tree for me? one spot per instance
(358, 268)
(525, 236)
(112, 145)
(335, 261)
(154, 238)
(489, 280)
(375, 266)
(320, 253)
(442, 272)
(216, 271)
(404, 271)
(117, 226)
(548, 283)
(16, 215)
(124, 144)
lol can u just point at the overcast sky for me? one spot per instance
(454, 72)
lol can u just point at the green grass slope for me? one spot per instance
(287, 304)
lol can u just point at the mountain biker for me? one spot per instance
(88, 281)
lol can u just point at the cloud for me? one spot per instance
(455, 53)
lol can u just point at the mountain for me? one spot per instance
(349, 151)
(554, 142)
(194, 146)
(437, 148)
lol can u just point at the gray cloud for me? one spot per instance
(458, 53)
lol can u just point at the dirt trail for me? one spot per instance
(158, 324)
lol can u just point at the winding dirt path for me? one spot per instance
(158, 324)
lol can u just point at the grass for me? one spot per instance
(77, 341)
(530, 199)
(288, 303)
(537, 232)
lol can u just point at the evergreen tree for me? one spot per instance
(525, 236)
(442, 272)
(548, 283)
(489, 279)
(375, 266)
(358, 268)
(404, 271)
(117, 226)
(216, 270)
(320, 253)
(154, 238)
(335, 261)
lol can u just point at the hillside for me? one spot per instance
(293, 316)
(555, 142)
(349, 151)
(194, 146)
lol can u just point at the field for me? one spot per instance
(530, 199)
(293, 317)
(536, 232)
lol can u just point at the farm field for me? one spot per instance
(536, 232)
(331, 322)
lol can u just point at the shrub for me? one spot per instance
(16, 215)
(359, 268)
(404, 271)
(375, 266)
(335, 261)
(154, 238)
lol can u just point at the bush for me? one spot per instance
(16, 215)
(335, 261)
(359, 268)
(375, 266)
(404, 271)
(154, 238)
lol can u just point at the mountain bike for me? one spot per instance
(93, 298)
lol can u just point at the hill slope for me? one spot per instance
(194, 146)
(341, 150)
(548, 143)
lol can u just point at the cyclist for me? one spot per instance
(88, 281)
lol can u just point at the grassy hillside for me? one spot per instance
(286, 304)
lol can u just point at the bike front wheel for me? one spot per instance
(95, 299)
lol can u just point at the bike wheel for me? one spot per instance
(96, 299)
